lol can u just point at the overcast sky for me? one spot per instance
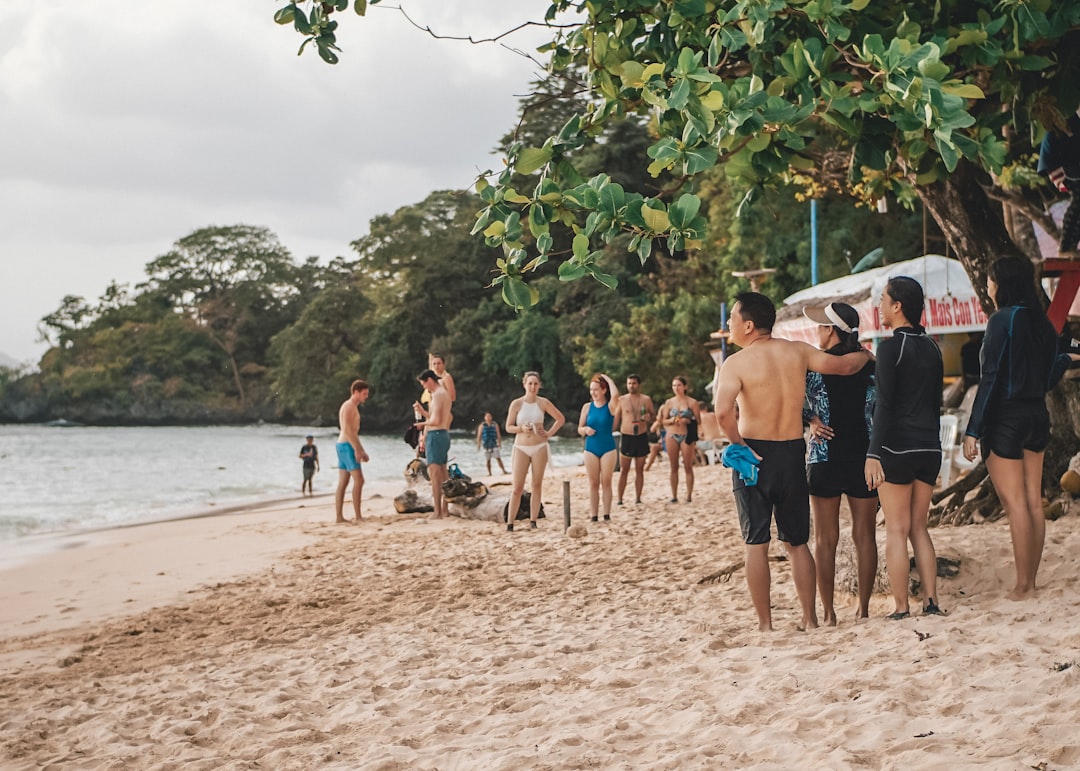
(126, 126)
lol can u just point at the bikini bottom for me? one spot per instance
(530, 449)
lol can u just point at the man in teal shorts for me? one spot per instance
(435, 442)
(350, 453)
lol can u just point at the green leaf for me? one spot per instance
(531, 159)
(682, 211)
(656, 220)
(360, 6)
(604, 278)
(612, 198)
(517, 294)
(538, 220)
(571, 271)
(698, 159)
(964, 90)
(580, 246)
(949, 155)
(644, 249)
(285, 15)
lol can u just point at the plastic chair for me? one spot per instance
(947, 433)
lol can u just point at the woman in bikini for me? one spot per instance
(596, 424)
(526, 421)
(681, 416)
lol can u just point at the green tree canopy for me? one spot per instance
(937, 100)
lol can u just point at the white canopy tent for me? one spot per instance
(951, 302)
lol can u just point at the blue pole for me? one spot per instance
(813, 242)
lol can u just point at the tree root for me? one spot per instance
(961, 509)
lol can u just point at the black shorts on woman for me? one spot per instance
(1014, 426)
(781, 490)
(833, 478)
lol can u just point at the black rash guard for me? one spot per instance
(909, 384)
(1018, 362)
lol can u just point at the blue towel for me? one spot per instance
(742, 459)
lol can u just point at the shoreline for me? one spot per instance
(284, 640)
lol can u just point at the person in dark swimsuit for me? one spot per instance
(1019, 363)
(904, 456)
(680, 415)
(596, 425)
(839, 410)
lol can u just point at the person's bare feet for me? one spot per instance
(1019, 595)
(829, 619)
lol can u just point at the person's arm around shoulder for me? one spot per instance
(828, 364)
(583, 427)
(556, 415)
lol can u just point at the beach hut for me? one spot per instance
(952, 306)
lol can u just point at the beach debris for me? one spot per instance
(722, 576)
(922, 635)
(577, 531)
(1062, 666)
(412, 502)
(416, 471)
(923, 736)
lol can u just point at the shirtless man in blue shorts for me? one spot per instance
(350, 453)
(767, 378)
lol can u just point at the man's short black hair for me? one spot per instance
(757, 308)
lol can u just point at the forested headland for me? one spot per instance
(228, 326)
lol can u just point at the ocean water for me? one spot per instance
(60, 479)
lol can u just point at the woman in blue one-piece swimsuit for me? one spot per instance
(596, 425)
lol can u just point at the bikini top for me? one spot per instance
(677, 413)
(530, 412)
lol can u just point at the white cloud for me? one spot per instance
(128, 126)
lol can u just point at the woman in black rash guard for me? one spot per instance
(904, 457)
(1009, 419)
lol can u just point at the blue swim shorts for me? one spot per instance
(346, 457)
(437, 446)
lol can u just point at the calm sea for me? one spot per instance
(55, 479)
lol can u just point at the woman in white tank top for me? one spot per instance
(525, 420)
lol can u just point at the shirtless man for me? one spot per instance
(636, 414)
(767, 378)
(350, 453)
(435, 441)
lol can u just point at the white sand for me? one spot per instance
(279, 640)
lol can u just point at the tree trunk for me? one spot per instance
(972, 222)
(974, 226)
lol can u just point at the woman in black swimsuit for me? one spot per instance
(904, 457)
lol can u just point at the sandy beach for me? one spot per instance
(276, 639)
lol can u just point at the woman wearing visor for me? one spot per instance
(839, 410)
